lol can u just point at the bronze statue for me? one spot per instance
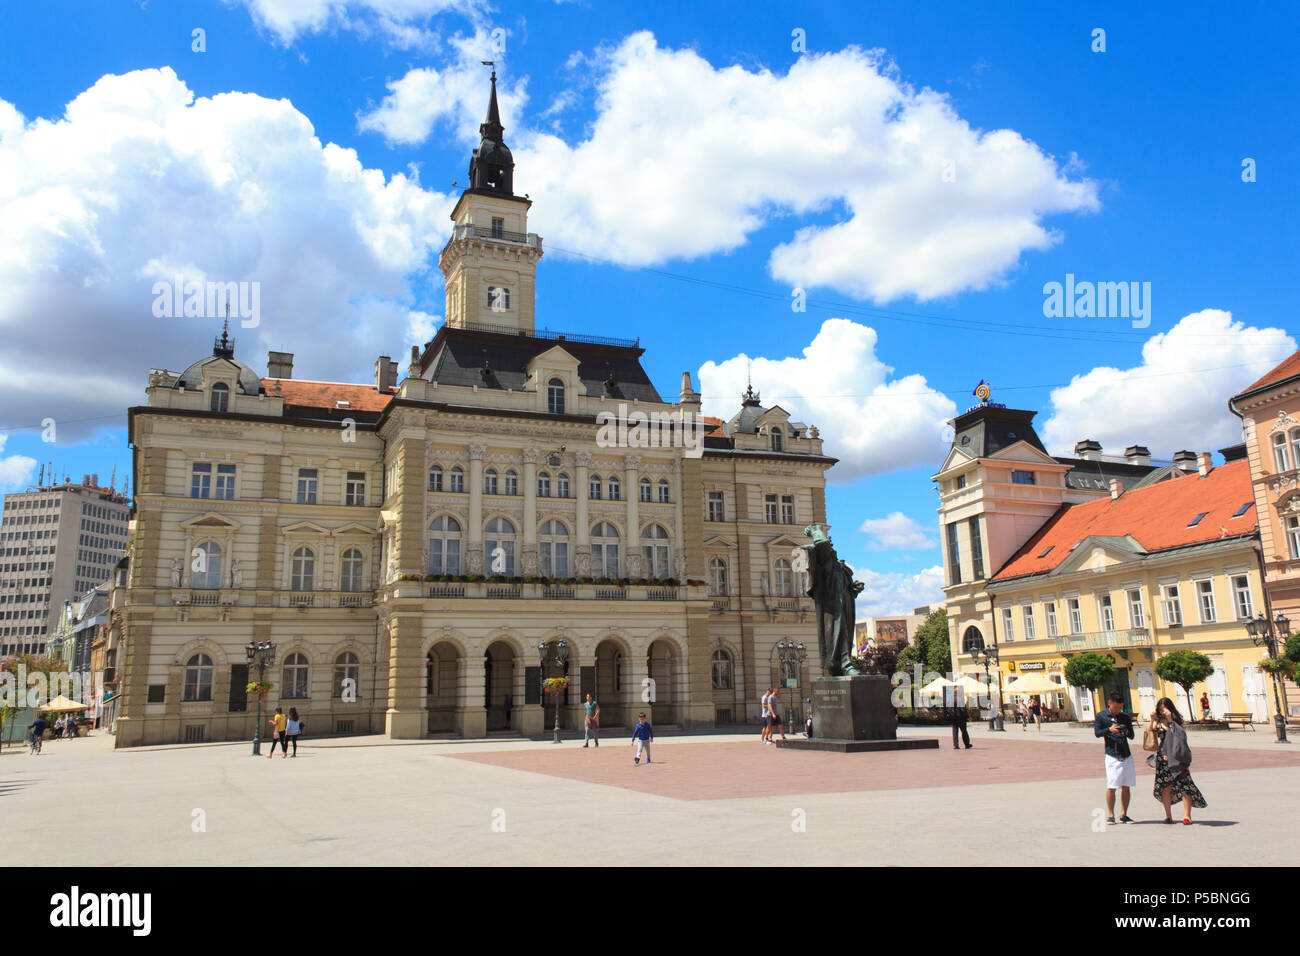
(834, 591)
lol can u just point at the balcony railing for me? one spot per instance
(502, 592)
(446, 591)
(661, 594)
(557, 594)
(611, 594)
(1104, 640)
(469, 231)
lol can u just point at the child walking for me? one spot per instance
(642, 734)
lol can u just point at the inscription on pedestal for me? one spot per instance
(854, 708)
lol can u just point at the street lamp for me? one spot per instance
(987, 655)
(1268, 635)
(791, 656)
(560, 657)
(263, 655)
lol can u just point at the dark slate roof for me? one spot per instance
(985, 430)
(458, 357)
(249, 381)
(1087, 474)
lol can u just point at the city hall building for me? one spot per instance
(420, 548)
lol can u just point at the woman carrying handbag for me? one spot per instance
(1172, 760)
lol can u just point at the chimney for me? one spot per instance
(385, 373)
(279, 365)
(1204, 463)
(1088, 450)
(1185, 460)
(688, 395)
(1138, 454)
(1116, 488)
(413, 369)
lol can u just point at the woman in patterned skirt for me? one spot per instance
(1172, 760)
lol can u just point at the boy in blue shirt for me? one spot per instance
(642, 734)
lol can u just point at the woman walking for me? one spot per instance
(292, 728)
(1172, 760)
(1023, 713)
(1036, 708)
(277, 722)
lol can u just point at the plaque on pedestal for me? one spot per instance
(852, 714)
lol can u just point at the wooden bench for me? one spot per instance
(1245, 719)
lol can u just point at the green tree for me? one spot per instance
(1089, 670)
(933, 635)
(1186, 669)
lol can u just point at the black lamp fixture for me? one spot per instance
(263, 655)
(1270, 635)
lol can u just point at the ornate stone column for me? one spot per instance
(635, 565)
(475, 530)
(582, 536)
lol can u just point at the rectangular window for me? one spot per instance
(201, 481)
(787, 509)
(498, 227)
(769, 509)
(1027, 619)
(954, 555)
(1241, 597)
(226, 482)
(1170, 607)
(976, 548)
(1008, 625)
(1106, 613)
(1205, 601)
(1136, 617)
(306, 486)
(960, 482)
(1293, 536)
(716, 512)
(355, 492)
(1049, 613)
(1076, 616)
(1022, 477)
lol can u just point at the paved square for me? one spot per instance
(1016, 799)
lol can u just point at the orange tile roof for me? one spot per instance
(1289, 367)
(718, 431)
(362, 398)
(1155, 516)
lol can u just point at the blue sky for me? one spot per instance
(689, 169)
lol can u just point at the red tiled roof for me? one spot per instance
(362, 398)
(717, 423)
(1288, 368)
(1155, 516)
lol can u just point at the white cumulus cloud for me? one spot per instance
(868, 419)
(401, 23)
(897, 532)
(1176, 397)
(16, 471)
(890, 592)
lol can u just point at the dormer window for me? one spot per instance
(220, 397)
(555, 396)
(498, 298)
(778, 440)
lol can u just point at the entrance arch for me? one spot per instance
(441, 684)
(498, 684)
(661, 664)
(612, 686)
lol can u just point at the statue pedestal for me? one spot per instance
(854, 714)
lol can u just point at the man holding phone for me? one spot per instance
(1117, 728)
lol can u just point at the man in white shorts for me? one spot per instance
(1117, 729)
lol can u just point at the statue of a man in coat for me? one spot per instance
(834, 592)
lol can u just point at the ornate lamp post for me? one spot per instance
(1268, 635)
(987, 655)
(263, 655)
(791, 656)
(560, 657)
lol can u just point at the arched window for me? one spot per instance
(614, 488)
(664, 492)
(206, 565)
(512, 483)
(784, 578)
(499, 547)
(543, 484)
(972, 640)
(717, 577)
(444, 546)
(435, 478)
(490, 481)
(457, 479)
(561, 485)
(352, 576)
(596, 485)
(220, 397)
(555, 396)
(645, 489)
(347, 678)
(604, 550)
(498, 298)
(655, 550)
(721, 670)
(1281, 454)
(295, 677)
(553, 547)
(303, 572)
(198, 678)
(778, 440)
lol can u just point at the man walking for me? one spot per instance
(1117, 729)
(957, 718)
(592, 723)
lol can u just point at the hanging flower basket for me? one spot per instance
(555, 685)
(262, 687)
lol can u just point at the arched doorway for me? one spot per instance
(612, 691)
(441, 679)
(498, 684)
(661, 664)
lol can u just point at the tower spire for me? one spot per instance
(492, 167)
